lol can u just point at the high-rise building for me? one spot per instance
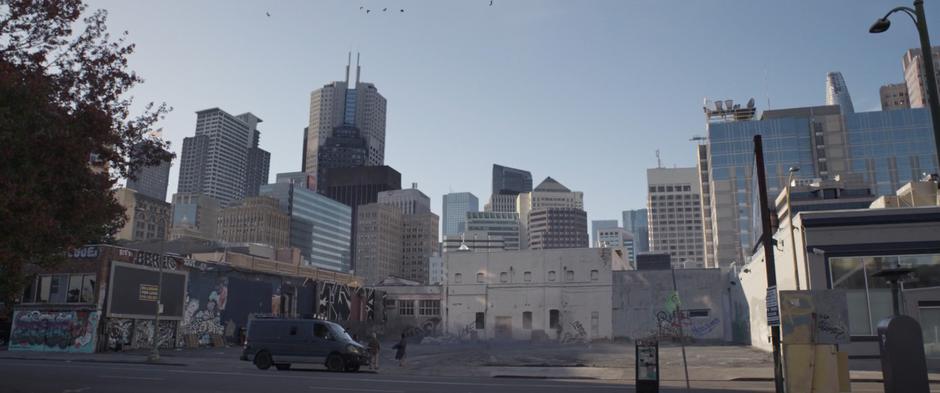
(455, 208)
(354, 116)
(557, 227)
(319, 226)
(502, 226)
(409, 201)
(597, 225)
(504, 203)
(222, 160)
(419, 231)
(378, 242)
(837, 93)
(617, 239)
(356, 187)
(151, 180)
(511, 181)
(915, 75)
(675, 215)
(255, 220)
(894, 96)
(259, 164)
(888, 148)
(195, 216)
(637, 223)
(705, 205)
(551, 194)
(436, 270)
(148, 218)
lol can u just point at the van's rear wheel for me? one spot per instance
(335, 363)
(283, 366)
(263, 360)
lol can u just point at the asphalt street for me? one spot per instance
(42, 376)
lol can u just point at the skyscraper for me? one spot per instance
(455, 208)
(837, 93)
(151, 180)
(705, 203)
(222, 160)
(565, 224)
(914, 75)
(319, 226)
(894, 96)
(511, 181)
(597, 225)
(637, 223)
(356, 187)
(675, 215)
(195, 216)
(379, 242)
(419, 231)
(352, 114)
(259, 163)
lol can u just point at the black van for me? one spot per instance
(282, 342)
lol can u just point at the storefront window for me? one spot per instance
(869, 298)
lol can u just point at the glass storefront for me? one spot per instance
(869, 298)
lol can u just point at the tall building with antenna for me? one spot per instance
(347, 126)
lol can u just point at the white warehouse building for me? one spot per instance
(556, 294)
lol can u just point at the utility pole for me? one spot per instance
(767, 242)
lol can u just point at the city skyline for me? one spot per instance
(283, 99)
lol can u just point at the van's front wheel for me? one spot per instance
(335, 363)
(263, 360)
(352, 367)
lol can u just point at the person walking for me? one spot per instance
(374, 347)
(401, 347)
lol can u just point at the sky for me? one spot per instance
(583, 91)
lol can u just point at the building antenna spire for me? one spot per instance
(358, 69)
(348, 61)
(659, 161)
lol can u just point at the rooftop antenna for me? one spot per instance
(348, 61)
(766, 89)
(357, 68)
(659, 162)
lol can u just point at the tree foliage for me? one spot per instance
(66, 132)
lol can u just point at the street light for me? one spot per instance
(796, 269)
(919, 17)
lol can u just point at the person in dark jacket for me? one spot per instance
(400, 350)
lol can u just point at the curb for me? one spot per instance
(542, 377)
(860, 380)
(95, 361)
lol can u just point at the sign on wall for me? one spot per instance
(134, 288)
(815, 317)
(773, 307)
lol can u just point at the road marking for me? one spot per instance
(79, 390)
(129, 377)
(358, 390)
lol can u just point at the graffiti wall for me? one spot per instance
(333, 302)
(645, 304)
(54, 331)
(206, 299)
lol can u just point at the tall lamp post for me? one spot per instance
(796, 269)
(920, 20)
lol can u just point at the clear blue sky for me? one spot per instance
(583, 91)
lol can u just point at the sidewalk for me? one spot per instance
(168, 357)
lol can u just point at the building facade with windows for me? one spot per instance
(562, 294)
(147, 218)
(378, 242)
(454, 210)
(914, 75)
(195, 216)
(620, 240)
(557, 227)
(255, 220)
(151, 180)
(637, 223)
(894, 96)
(675, 215)
(319, 226)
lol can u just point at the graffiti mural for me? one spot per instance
(143, 334)
(119, 332)
(54, 331)
(202, 315)
(576, 335)
(677, 325)
(333, 302)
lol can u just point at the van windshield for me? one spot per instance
(340, 333)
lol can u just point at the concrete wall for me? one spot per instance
(575, 282)
(641, 306)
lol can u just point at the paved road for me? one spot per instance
(41, 376)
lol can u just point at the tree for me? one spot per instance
(66, 133)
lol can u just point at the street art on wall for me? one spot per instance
(333, 302)
(119, 332)
(143, 334)
(677, 325)
(202, 315)
(54, 331)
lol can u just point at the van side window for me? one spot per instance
(293, 330)
(320, 331)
